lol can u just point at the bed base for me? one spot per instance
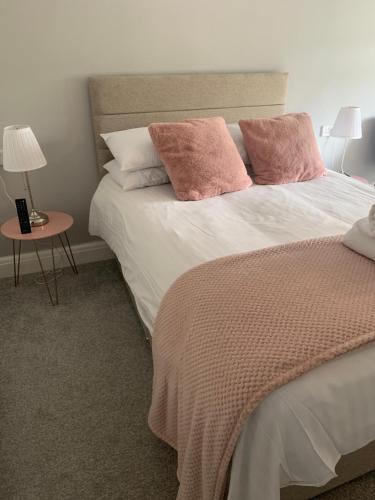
(132, 299)
(349, 467)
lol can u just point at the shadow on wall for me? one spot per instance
(360, 155)
(363, 150)
(368, 153)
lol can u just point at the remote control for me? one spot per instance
(23, 215)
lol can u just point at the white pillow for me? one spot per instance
(235, 132)
(139, 179)
(134, 149)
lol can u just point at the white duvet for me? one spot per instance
(299, 432)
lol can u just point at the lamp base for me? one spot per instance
(38, 218)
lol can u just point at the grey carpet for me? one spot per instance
(75, 385)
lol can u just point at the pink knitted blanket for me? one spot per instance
(232, 330)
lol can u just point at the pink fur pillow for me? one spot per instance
(282, 149)
(200, 158)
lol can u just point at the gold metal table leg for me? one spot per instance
(54, 271)
(16, 266)
(71, 257)
(43, 273)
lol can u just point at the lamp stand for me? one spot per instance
(343, 157)
(36, 218)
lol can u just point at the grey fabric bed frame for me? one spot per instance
(120, 102)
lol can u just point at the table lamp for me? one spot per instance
(22, 153)
(348, 125)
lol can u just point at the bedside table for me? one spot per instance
(58, 225)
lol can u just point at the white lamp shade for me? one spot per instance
(21, 151)
(348, 123)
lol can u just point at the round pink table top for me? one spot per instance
(58, 223)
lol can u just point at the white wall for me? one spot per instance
(49, 47)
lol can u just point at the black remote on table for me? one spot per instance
(23, 215)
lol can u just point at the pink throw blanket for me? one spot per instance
(232, 330)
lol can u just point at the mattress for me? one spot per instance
(299, 432)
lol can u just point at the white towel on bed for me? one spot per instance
(361, 237)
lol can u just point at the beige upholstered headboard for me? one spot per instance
(119, 102)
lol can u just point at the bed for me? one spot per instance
(299, 433)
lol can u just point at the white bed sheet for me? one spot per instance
(299, 432)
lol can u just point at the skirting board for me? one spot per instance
(84, 253)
